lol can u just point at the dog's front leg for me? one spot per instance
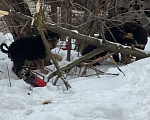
(40, 64)
(57, 57)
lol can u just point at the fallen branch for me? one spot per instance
(48, 51)
(116, 65)
(100, 59)
(98, 73)
(103, 73)
(68, 67)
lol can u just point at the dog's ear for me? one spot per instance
(130, 27)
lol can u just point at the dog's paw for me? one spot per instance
(44, 72)
(58, 57)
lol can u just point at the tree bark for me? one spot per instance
(69, 17)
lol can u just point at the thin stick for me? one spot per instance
(8, 75)
(113, 61)
(101, 72)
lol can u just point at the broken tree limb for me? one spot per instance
(68, 67)
(48, 51)
(100, 59)
(127, 50)
(110, 46)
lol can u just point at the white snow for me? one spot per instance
(106, 97)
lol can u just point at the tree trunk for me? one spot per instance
(69, 17)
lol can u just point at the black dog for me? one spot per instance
(30, 49)
(130, 34)
(90, 48)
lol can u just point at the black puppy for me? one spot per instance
(30, 49)
(135, 35)
(90, 48)
(130, 34)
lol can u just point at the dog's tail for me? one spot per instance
(2, 49)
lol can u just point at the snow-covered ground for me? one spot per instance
(106, 97)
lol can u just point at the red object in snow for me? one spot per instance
(33, 80)
(63, 45)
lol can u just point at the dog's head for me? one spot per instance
(130, 27)
(52, 38)
(135, 34)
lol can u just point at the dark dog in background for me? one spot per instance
(31, 49)
(90, 48)
(130, 34)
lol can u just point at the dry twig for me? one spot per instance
(116, 65)
(8, 75)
